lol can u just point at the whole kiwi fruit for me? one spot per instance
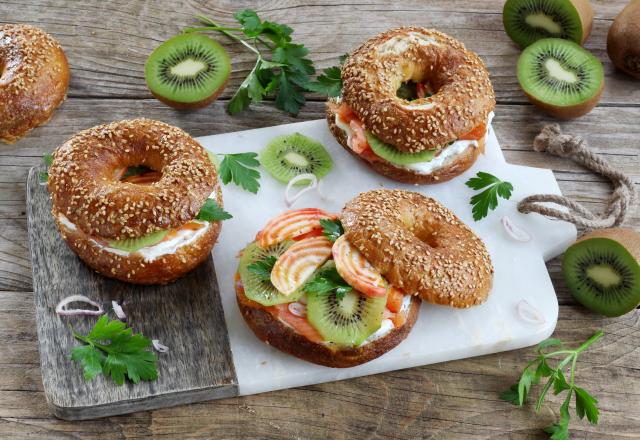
(623, 41)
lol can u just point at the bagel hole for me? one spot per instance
(411, 90)
(138, 174)
(429, 237)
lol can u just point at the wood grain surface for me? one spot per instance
(107, 43)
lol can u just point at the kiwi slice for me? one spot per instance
(187, 71)
(527, 21)
(134, 244)
(560, 77)
(349, 320)
(396, 156)
(602, 271)
(288, 156)
(256, 288)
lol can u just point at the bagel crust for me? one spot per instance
(463, 97)
(420, 246)
(34, 77)
(276, 333)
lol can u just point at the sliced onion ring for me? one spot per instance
(159, 346)
(514, 231)
(62, 311)
(529, 313)
(298, 309)
(288, 198)
(117, 309)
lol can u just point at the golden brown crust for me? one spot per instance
(372, 74)
(133, 268)
(34, 77)
(419, 246)
(274, 332)
(85, 188)
(458, 164)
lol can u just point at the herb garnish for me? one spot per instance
(238, 167)
(281, 67)
(332, 229)
(263, 268)
(329, 83)
(126, 353)
(326, 281)
(535, 370)
(487, 199)
(48, 160)
(212, 212)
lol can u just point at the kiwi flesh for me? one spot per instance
(135, 244)
(396, 156)
(256, 288)
(286, 157)
(623, 40)
(188, 71)
(527, 21)
(560, 77)
(602, 271)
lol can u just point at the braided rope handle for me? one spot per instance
(575, 148)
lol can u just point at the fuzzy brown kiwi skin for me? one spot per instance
(623, 40)
(192, 105)
(568, 112)
(628, 238)
(585, 11)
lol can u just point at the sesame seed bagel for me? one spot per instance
(463, 96)
(34, 77)
(419, 246)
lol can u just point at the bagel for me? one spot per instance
(452, 122)
(93, 208)
(419, 246)
(34, 77)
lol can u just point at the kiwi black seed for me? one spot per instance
(527, 21)
(602, 271)
(187, 71)
(286, 157)
(560, 77)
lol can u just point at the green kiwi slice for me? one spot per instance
(286, 157)
(396, 156)
(187, 71)
(349, 320)
(527, 21)
(134, 244)
(602, 274)
(256, 288)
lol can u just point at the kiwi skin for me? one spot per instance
(623, 40)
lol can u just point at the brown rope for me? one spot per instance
(623, 197)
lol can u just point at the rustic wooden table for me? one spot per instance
(107, 43)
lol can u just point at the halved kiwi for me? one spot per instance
(396, 156)
(187, 71)
(135, 244)
(527, 21)
(289, 156)
(349, 320)
(256, 288)
(602, 271)
(560, 77)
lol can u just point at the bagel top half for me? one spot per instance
(372, 74)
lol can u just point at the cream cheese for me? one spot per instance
(387, 325)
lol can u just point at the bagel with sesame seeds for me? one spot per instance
(143, 228)
(415, 105)
(34, 77)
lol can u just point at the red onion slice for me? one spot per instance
(63, 311)
(528, 313)
(514, 231)
(158, 346)
(313, 184)
(117, 309)
(298, 309)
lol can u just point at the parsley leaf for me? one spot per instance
(212, 212)
(327, 281)
(332, 229)
(329, 83)
(43, 176)
(125, 356)
(238, 167)
(263, 267)
(487, 199)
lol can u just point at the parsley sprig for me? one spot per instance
(212, 212)
(487, 199)
(113, 350)
(281, 69)
(329, 83)
(239, 168)
(48, 160)
(332, 229)
(263, 268)
(327, 280)
(539, 368)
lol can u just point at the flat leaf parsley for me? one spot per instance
(212, 212)
(487, 199)
(326, 281)
(48, 160)
(329, 83)
(263, 267)
(332, 229)
(239, 168)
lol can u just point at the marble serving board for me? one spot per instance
(441, 333)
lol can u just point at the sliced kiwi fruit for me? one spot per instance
(560, 77)
(256, 288)
(187, 71)
(602, 271)
(527, 21)
(286, 157)
(349, 320)
(396, 156)
(135, 244)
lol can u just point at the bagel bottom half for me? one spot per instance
(455, 166)
(269, 329)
